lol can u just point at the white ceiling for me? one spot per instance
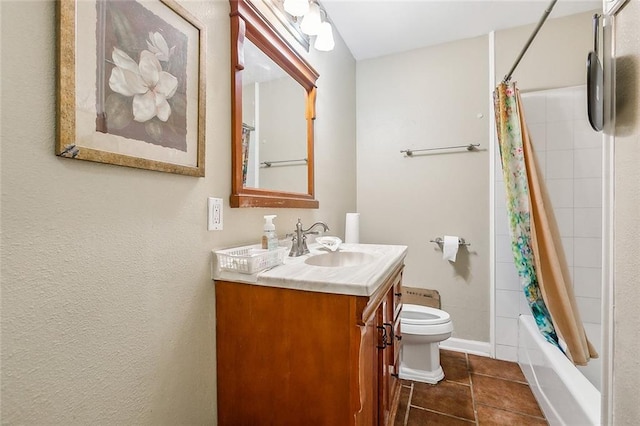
(373, 28)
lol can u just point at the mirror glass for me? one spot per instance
(274, 126)
(272, 115)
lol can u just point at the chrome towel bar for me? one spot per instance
(469, 147)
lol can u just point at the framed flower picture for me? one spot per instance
(131, 84)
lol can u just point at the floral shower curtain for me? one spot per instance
(535, 242)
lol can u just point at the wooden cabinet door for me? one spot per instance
(368, 373)
(395, 300)
(386, 358)
(285, 357)
(388, 315)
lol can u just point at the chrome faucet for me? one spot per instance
(299, 241)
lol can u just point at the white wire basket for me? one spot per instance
(250, 259)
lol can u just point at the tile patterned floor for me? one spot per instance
(475, 390)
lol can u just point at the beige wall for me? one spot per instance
(626, 362)
(107, 303)
(556, 58)
(429, 98)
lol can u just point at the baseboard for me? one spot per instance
(469, 346)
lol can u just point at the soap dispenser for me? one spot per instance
(269, 237)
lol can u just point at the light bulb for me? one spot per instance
(311, 22)
(324, 40)
(296, 7)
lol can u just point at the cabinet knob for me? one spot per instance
(397, 294)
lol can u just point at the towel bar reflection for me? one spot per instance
(469, 147)
(270, 163)
(440, 241)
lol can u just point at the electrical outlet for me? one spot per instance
(214, 217)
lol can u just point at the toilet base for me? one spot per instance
(431, 377)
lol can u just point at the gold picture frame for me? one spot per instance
(131, 85)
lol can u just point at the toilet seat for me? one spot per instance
(423, 315)
(425, 321)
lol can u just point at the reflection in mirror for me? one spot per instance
(272, 115)
(274, 131)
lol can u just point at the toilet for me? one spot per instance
(423, 328)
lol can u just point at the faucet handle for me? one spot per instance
(304, 249)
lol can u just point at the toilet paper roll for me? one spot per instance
(352, 228)
(450, 247)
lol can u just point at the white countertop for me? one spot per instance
(360, 280)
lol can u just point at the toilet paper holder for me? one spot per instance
(439, 241)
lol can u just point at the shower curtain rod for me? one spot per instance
(533, 35)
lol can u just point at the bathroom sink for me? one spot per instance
(340, 258)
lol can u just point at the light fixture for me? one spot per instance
(296, 7)
(324, 40)
(311, 21)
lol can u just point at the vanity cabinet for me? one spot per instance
(294, 357)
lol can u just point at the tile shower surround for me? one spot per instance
(569, 155)
(475, 391)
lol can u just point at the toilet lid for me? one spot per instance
(415, 314)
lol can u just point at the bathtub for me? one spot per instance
(565, 395)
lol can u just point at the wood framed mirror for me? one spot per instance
(272, 115)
